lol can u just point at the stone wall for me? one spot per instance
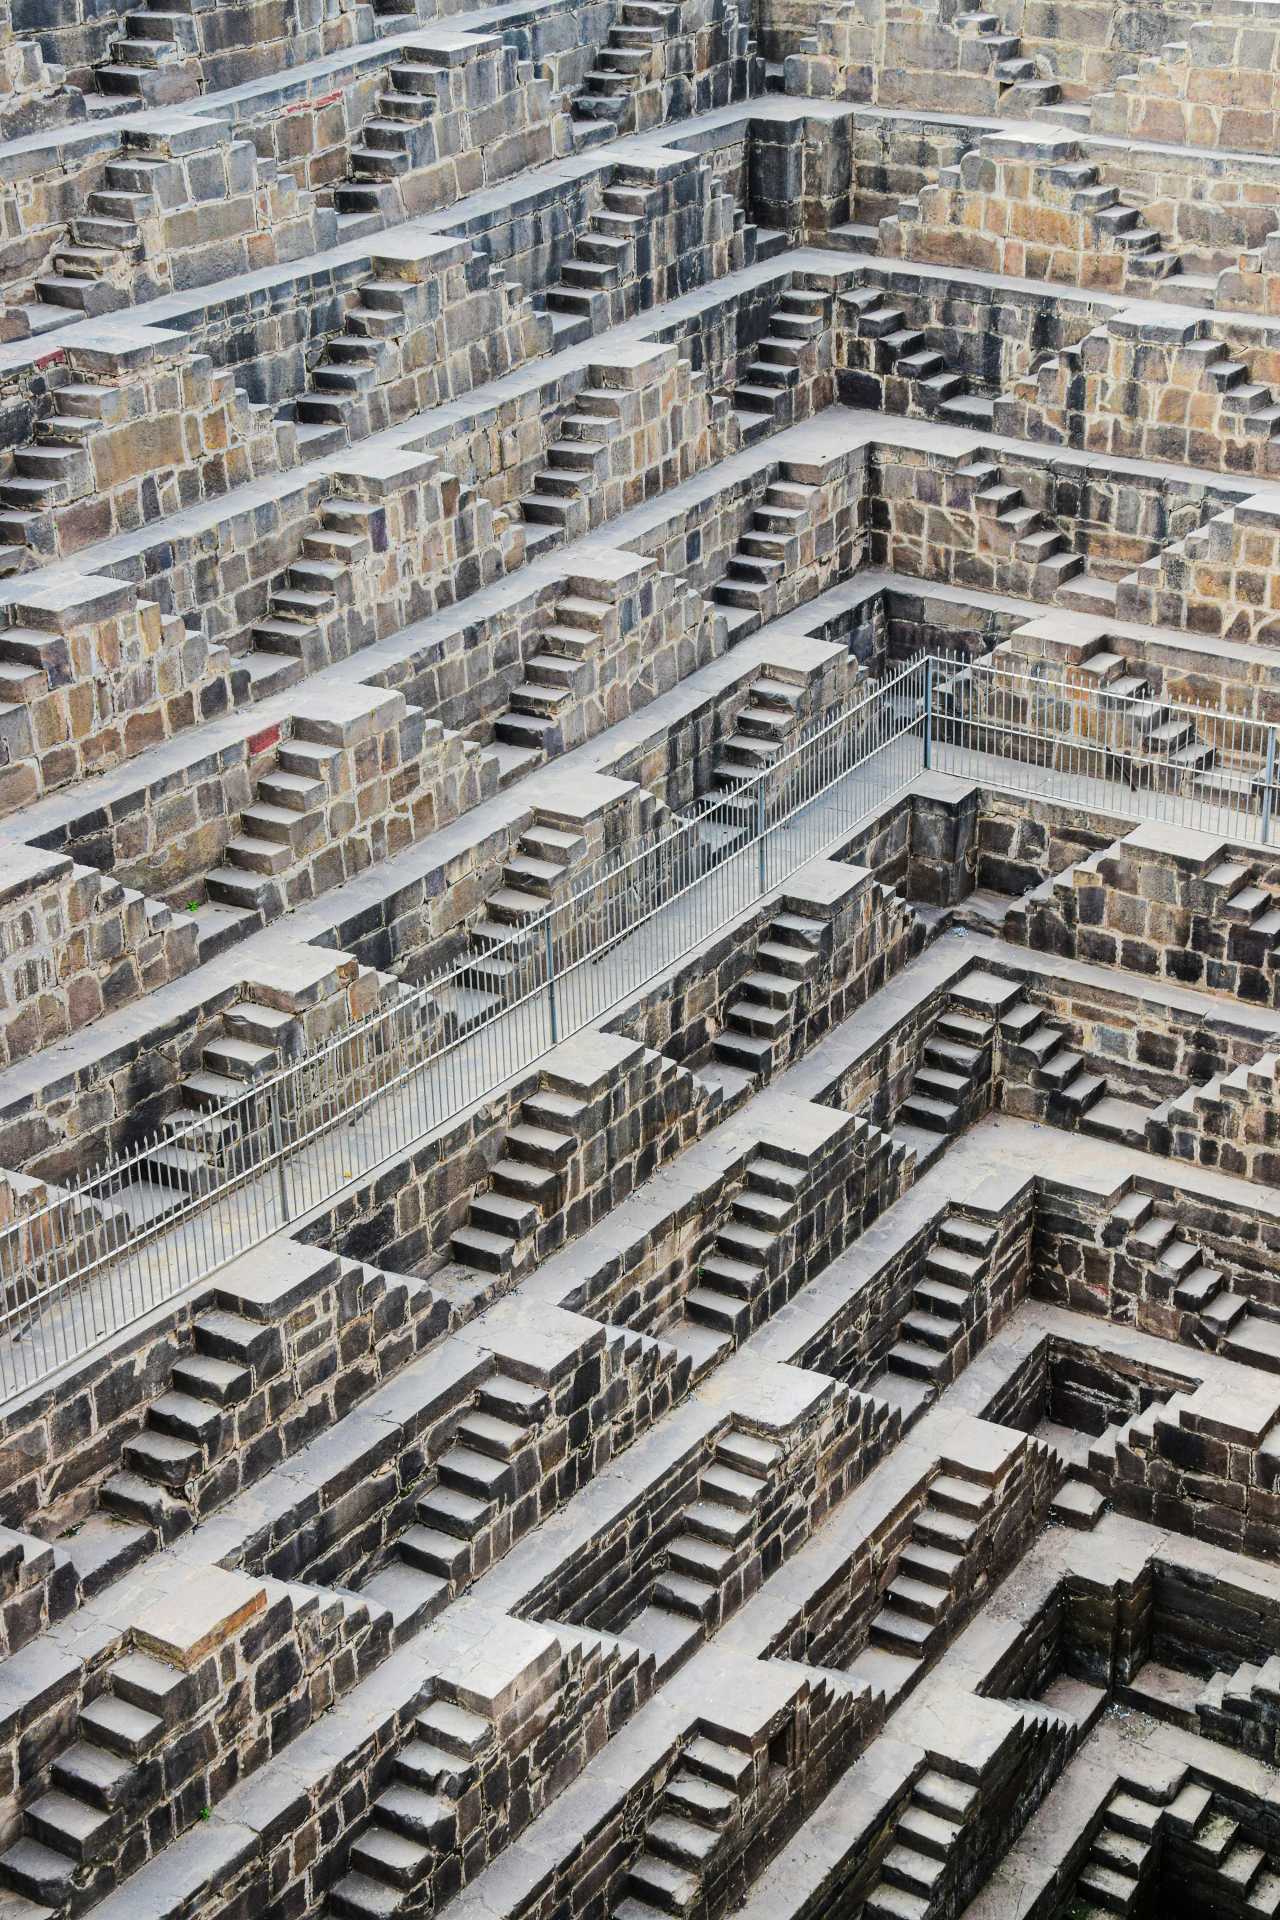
(93, 676)
(207, 207)
(322, 1331)
(152, 428)
(76, 944)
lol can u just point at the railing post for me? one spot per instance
(1268, 783)
(553, 1009)
(762, 817)
(277, 1139)
(928, 711)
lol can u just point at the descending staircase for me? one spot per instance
(1122, 1857)
(732, 1278)
(919, 1610)
(697, 1812)
(576, 461)
(153, 62)
(1007, 525)
(604, 257)
(536, 875)
(54, 467)
(761, 398)
(914, 1871)
(1227, 1321)
(893, 346)
(474, 1481)
(955, 1065)
(525, 1186)
(217, 1129)
(764, 1013)
(95, 1784)
(944, 1301)
(1076, 1097)
(416, 1822)
(187, 1427)
(1024, 89)
(1116, 225)
(749, 586)
(304, 625)
(715, 1530)
(1217, 1842)
(630, 56)
(397, 138)
(93, 272)
(353, 362)
(531, 729)
(761, 730)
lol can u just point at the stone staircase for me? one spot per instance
(188, 1426)
(696, 1816)
(94, 271)
(1232, 891)
(1210, 545)
(1025, 89)
(916, 379)
(1076, 1097)
(714, 1532)
(220, 1127)
(537, 875)
(526, 1186)
(1113, 236)
(53, 468)
(761, 398)
(586, 298)
(629, 58)
(397, 138)
(1216, 1841)
(768, 1001)
(265, 866)
(1245, 408)
(1226, 1320)
(1009, 525)
(417, 1820)
(98, 1783)
(951, 1556)
(532, 727)
(944, 1301)
(915, 1871)
(919, 1606)
(558, 500)
(473, 1483)
(762, 729)
(748, 590)
(954, 1068)
(338, 406)
(304, 627)
(1078, 185)
(153, 62)
(732, 1277)
(1121, 1862)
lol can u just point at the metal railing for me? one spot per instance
(140, 1230)
(1103, 748)
(79, 1264)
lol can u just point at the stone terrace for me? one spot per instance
(560, 1360)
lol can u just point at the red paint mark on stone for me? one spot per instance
(259, 742)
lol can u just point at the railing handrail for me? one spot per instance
(99, 1182)
(380, 1056)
